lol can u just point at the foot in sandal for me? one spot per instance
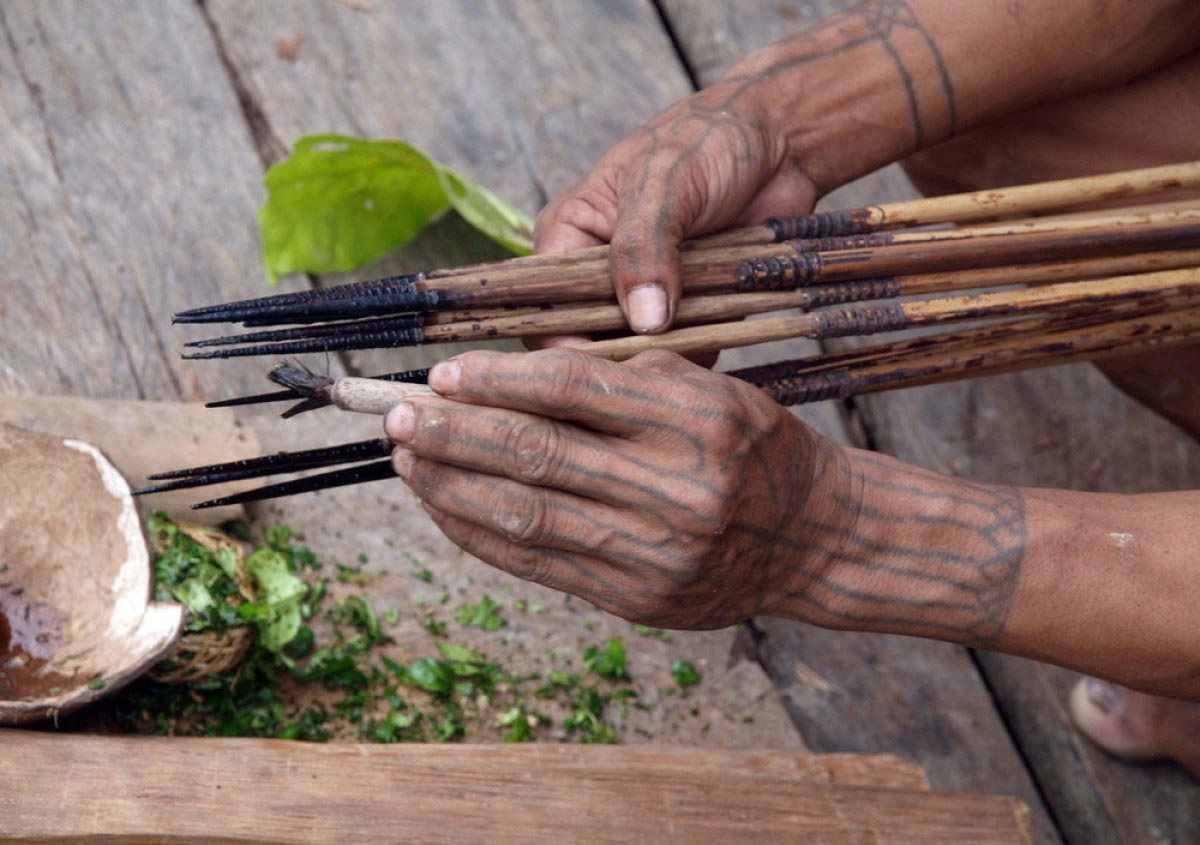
(1135, 726)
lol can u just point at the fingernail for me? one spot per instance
(402, 462)
(444, 377)
(401, 423)
(647, 308)
(1101, 694)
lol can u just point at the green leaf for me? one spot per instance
(431, 674)
(193, 595)
(684, 673)
(487, 212)
(485, 615)
(608, 662)
(456, 653)
(277, 611)
(338, 202)
(357, 611)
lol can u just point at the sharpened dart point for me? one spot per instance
(389, 339)
(402, 299)
(406, 322)
(324, 481)
(353, 289)
(282, 462)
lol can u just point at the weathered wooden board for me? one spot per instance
(141, 438)
(925, 699)
(1065, 427)
(266, 791)
(128, 185)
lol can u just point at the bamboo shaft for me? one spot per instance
(958, 208)
(870, 319)
(1034, 349)
(822, 267)
(692, 311)
(1026, 227)
(1051, 271)
(711, 271)
(1042, 196)
(915, 348)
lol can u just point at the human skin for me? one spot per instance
(682, 498)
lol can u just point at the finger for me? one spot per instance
(582, 217)
(525, 516)
(644, 261)
(552, 341)
(578, 574)
(790, 194)
(519, 446)
(561, 384)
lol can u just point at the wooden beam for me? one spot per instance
(166, 790)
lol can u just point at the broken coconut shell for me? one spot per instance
(76, 619)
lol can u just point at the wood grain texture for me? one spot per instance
(1063, 427)
(521, 96)
(128, 186)
(141, 438)
(179, 790)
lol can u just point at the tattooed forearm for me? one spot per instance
(921, 554)
(865, 33)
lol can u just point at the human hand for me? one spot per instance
(655, 489)
(713, 160)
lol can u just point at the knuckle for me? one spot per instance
(721, 428)
(475, 364)
(526, 524)
(533, 566)
(659, 361)
(565, 388)
(429, 426)
(709, 511)
(534, 450)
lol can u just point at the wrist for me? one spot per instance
(822, 509)
(847, 97)
(912, 552)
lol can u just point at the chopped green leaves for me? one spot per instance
(338, 202)
(657, 633)
(609, 661)
(358, 690)
(684, 673)
(485, 615)
(276, 612)
(357, 611)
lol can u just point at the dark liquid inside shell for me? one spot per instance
(30, 633)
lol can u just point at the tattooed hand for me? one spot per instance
(711, 161)
(657, 490)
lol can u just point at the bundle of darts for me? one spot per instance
(1038, 274)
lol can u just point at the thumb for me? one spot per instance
(644, 264)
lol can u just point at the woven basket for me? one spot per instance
(202, 654)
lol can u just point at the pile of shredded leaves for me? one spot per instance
(296, 684)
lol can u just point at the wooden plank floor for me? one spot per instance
(141, 133)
